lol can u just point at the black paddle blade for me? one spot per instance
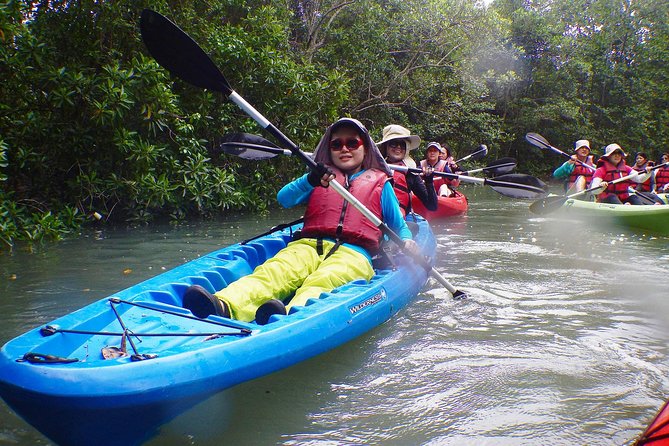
(249, 138)
(548, 205)
(537, 140)
(478, 154)
(501, 166)
(175, 51)
(518, 185)
(247, 151)
(248, 146)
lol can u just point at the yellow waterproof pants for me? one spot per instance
(296, 268)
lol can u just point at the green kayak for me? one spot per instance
(654, 219)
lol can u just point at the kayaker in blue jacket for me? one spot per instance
(337, 242)
(574, 168)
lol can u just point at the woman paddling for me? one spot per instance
(662, 176)
(444, 186)
(396, 144)
(336, 243)
(610, 167)
(577, 166)
(640, 165)
(447, 156)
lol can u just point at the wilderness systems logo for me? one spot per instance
(378, 297)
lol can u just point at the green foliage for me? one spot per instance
(3, 159)
(408, 63)
(89, 122)
(587, 70)
(97, 126)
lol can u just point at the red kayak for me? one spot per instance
(456, 204)
(657, 433)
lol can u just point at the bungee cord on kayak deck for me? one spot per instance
(128, 334)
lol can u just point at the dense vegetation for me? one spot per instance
(91, 125)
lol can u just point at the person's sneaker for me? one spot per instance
(202, 303)
(269, 308)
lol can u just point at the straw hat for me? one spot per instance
(611, 148)
(394, 131)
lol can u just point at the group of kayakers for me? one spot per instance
(642, 180)
(336, 244)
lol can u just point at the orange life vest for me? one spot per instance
(329, 215)
(581, 170)
(608, 172)
(661, 178)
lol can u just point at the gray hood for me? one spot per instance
(373, 158)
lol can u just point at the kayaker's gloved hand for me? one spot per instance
(412, 247)
(320, 175)
(428, 174)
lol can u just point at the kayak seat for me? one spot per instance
(267, 248)
(164, 297)
(233, 270)
(247, 253)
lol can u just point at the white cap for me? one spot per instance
(608, 150)
(581, 143)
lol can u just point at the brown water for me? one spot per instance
(563, 340)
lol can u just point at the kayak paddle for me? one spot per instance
(497, 167)
(513, 185)
(176, 51)
(477, 155)
(539, 141)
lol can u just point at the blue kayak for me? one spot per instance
(113, 372)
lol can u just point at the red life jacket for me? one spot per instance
(608, 172)
(329, 215)
(645, 186)
(581, 170)
(402, 191)
(439, 167)
(661, 178)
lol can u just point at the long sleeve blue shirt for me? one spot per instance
(564, 170)
(298, 192)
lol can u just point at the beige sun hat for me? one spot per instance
(581, 143)
(608, 151)
(395, 131)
